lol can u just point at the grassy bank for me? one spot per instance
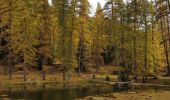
(145, 95)
(36, 79)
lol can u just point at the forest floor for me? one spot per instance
(144, 95)
(36, 78)
(57, 76)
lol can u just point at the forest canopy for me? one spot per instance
(131, 35)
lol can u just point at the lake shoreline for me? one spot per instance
(35, 79)
(84, 78)
(146, 95)
(121, 91)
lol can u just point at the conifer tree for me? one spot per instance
(97, 37)
(83, 32)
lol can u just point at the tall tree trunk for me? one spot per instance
(168, 30)
(44, 36)
(64, 73)
(123, 74)
(164, 43)
(80, 57)
(10, 48)
(70, 50)
(43, 75)
(63, 38)
(144, 77)
(153, 55)
(134, 40)
(24, 65)
(97, 48)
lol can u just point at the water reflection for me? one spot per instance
(54, 92)
(60, 91)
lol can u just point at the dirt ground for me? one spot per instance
(147, 95)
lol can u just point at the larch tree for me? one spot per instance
(97, 37)
(83, 32)
(163, 17)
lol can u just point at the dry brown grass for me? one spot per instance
(36, 77)
(147, 95)
(58, 76)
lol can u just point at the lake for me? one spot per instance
(61, 91)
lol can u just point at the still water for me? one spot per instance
(58, 92)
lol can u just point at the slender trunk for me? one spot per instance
(0, 35)
(63, 38)
(43, 75)
(168, 30)
(79, 62)
(144, 77)
(135, 64)
(123, 73)
(70, 50)
(25, 77)
(130, 68)
(122, 44)
(112, 9)
(10, 49)
(134, 40)
(165, 44)
(64, 73)
(97, 47)
(24, 65)
(80, 51)
(44, 36)
(9, 66)
(131, 59)
(153, 55)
